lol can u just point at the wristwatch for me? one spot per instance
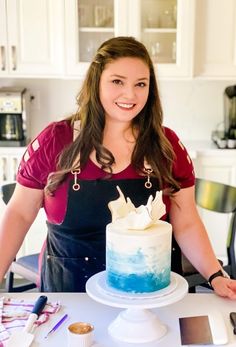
(220, 273)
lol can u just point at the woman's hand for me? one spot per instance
(224, 287)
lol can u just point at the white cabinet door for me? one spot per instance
(164, 26)
(221, 168)
(32, 37)
(9, 161)
(215, 35)
(3, 38)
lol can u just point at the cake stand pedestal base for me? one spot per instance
(136, 324)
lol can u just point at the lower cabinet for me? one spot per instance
(219, 167)
(9, 162)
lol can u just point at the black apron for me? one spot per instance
(75, 249)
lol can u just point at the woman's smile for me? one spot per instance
(125, 106)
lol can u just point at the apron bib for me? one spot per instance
(75, 250)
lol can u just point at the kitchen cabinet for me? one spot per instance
(215, 44)
(9, 161)
(164, 26)
(31, 38)
(220, 166)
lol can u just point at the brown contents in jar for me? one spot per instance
(80, 328)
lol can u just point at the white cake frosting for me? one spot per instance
(138, 246)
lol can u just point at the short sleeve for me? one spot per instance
(183, 170)
(40, 158)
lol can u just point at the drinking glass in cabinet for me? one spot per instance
(152, 21)
(167, 19)
(85, 15)
(155, 51)
(158, 14)
(89, 43)
(161, 46)
(90, 49)
(103, 16)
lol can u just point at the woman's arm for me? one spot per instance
(194, 242)
(20, 213)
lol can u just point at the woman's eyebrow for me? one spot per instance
(118, 76)
(138, 79)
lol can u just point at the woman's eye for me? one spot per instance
(117, 81)
(141, 84)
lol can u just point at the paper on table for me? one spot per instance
(14, 314)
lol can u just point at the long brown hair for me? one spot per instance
(151, 142)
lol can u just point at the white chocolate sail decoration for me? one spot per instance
(125, 214)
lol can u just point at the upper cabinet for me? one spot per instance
(215, 39)
(58, 38)
(164, 26)
(31, 38)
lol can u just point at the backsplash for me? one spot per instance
(192, 108)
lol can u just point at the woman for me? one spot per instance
(73, 167)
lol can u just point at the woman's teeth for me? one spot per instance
(128, 106)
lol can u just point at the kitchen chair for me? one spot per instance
(217, 197)
(26, 266)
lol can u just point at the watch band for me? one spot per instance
(220, 273)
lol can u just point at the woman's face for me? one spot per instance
(124, 88)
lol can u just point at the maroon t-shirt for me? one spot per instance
(41, 157)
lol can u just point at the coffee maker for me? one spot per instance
(230, 112)
(13, 117)
(226, 138)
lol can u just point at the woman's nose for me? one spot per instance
(129, 92)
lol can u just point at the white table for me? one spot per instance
(80, 307)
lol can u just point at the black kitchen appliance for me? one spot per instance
(13, 117)
(230, 112)
(226, 138)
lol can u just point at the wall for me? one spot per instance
(193, 108)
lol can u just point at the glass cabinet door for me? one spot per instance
(166, 27)
(95, 25)
(159, 28)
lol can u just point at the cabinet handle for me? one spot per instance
(13, 52)
(3, 58)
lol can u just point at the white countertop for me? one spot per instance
(80, 307)
(196, 148)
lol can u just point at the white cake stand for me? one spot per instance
(136, 324)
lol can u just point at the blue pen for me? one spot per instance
(56, 326)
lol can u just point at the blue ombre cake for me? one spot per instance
(138, 261)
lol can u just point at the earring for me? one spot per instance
(76, 185)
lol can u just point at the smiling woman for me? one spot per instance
(74, 170)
